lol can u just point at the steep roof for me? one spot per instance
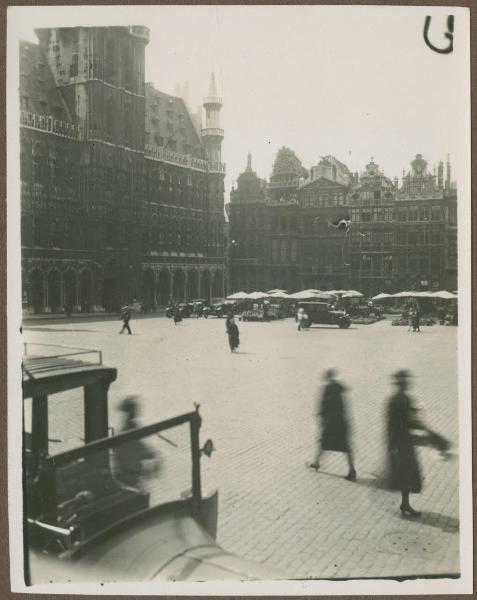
(169, 124)
(38, 91)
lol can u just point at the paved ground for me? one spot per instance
(258, 407)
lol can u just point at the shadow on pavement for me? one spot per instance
(443, 522)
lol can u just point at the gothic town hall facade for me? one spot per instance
(122, 190)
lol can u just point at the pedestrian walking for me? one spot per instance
(125, 318)
(133, 459)
(410, 318)
(416, 320)
(405, 430)
(177, 315)
(334, 423)
(232, 333)
(300, 317)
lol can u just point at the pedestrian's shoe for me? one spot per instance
(314, 465)
(408, 510)
(351, 476)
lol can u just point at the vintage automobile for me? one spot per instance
(186, 310)
(321, 313)
(82, 522)
(222, 309)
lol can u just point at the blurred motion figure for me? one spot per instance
(134, 459)
(334, 423)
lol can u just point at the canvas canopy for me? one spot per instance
(444, 295)
(382, 296)
(257, 295)
(237, 296)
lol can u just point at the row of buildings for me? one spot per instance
(122, 195)
(392, 237)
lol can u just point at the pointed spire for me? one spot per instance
(213, 87)
(248, 169)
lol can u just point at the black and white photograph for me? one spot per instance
(239, 299)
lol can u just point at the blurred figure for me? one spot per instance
(334, 423)
(403, 427)
(177, 315)
(410, 317)
(301, 317)
(134, 459)
(125, 318)
(232, 332)
(416, 319)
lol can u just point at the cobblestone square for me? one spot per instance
(258, 406)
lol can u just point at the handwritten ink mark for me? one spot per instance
(449, 35)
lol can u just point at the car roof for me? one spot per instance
(53, 374)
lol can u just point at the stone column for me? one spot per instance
(186, 279)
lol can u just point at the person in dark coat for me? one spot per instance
(416, 319)
(334, 423)
(125, 318)
(402, 419)
(177, 315)
(233, 333)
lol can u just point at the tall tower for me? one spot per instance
(100, 73)
(212, 134)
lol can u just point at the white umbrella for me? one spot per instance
(237, 296)
(444, 295)
(382, 296)
(280, 295)
(257, 295)
(304, 295)
(352, 294)
(403, 295)
(277, 291)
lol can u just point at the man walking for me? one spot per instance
(125, 318)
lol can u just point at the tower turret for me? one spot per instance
(448, 173)
(440, 175)
(212, 134)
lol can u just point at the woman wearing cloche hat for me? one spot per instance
(405, 430)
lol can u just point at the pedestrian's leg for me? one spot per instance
(128, 328)
(319, 452)
(352, 471)
(122, 328)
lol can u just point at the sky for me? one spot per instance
(354, 82)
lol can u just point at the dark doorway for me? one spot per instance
(54, 291)
(148, 291)
(37, 300)
(85, 293)
(179, 286)
(192, 285)
(164, 288)
(111, 301)
(205, 285)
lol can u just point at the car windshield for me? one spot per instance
(89, 488)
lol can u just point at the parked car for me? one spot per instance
(222, 309)
(186, 309)
(320, 313)
(81, 521)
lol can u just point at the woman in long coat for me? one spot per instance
(334, 423)
(233, 333)
(402, 419)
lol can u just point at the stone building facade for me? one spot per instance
(121, 195)
(400, 237)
